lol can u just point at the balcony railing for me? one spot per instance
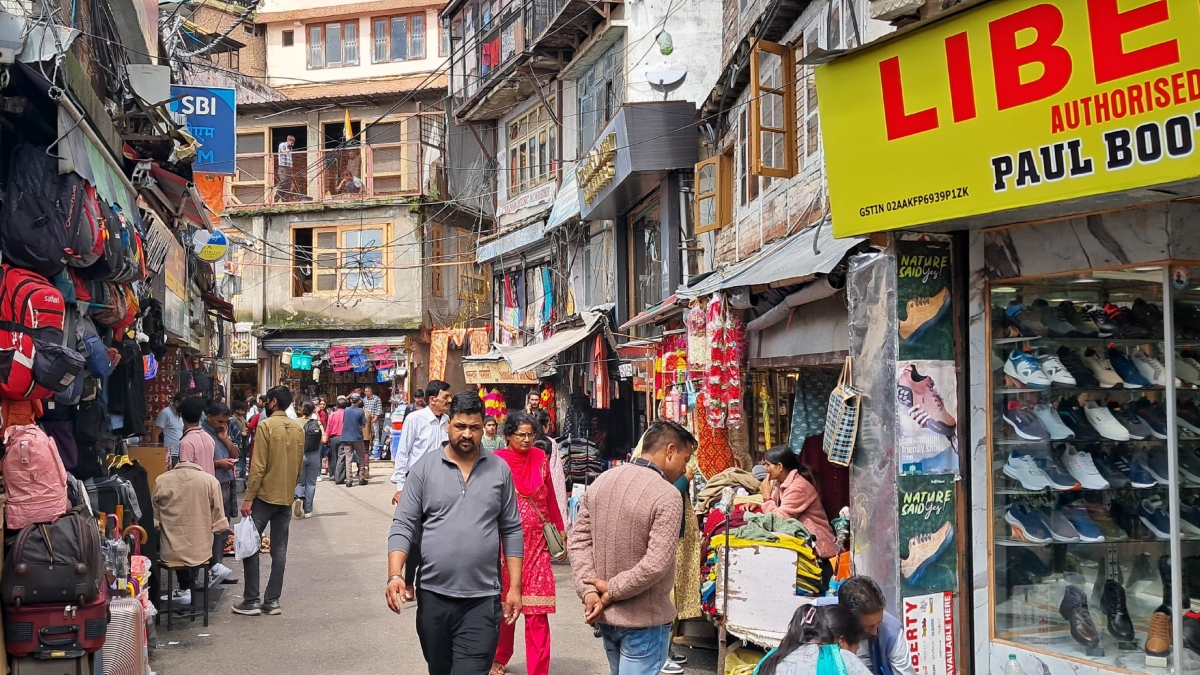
(374, 171)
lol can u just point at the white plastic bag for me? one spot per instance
(245, 539)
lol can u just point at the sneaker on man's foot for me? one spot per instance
(298, 508)
(271, 608)
(179, 597)
(218, 575)
(308, 514)
(247, 608)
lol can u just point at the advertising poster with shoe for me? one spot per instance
(928, 555)
(923, 297)
(929, 629)
(927, 418)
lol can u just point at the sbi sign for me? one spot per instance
(211, 117)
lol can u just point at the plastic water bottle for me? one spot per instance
(1012, 667)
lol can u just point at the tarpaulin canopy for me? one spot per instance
(522, 359)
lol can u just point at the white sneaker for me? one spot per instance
(1083, 469)
(218, 574)
(1049, 418)
(1025, 369)
(308, 515)
(1025, 471)
(180, 597)
(1186, 371)
(1104, 423)
(1150, 368)
(1053, 369)
(1097, 362)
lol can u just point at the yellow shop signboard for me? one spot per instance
(1012, 104)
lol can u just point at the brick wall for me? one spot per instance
(253, 57)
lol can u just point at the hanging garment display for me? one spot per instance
(724, 374)
(494, 405)
(439, 346)
(548, 313)
(479, 341)
(813, 387)
(713, 454)
(546, 400)
(697, 335)
(601, 394)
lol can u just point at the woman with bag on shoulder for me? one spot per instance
(542, 526)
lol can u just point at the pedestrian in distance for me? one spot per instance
(306, 489)
(356, 429)
(333, 440)
(270, 491)
(225, 456)
(168, 427)
(461, 504)
(537, 504)
(622, 550)
(373, 405)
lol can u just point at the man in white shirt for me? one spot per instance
(283, 161)
(424, 431)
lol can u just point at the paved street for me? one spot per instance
(334, 618)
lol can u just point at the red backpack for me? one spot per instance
(35, 361)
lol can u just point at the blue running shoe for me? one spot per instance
(1126, 370)
(1078, 516)
(1027, 524)
(1139, 477)
(1155, 518)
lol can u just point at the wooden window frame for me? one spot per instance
(722, 193)
(288, 38)
(342, 252)
(525, 171)
(788, 93)
(343, 62)
(410, 55)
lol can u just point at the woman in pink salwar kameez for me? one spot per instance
(537, 504)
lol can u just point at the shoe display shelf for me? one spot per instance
(1095, 447)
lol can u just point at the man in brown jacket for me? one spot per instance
(622, 550)
(189, 511)
(270, 490)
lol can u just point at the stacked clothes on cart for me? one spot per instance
(582, 462)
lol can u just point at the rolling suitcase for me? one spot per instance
(125, 647)
(56, 631)
(31, 666)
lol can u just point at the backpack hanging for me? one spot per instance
(40, 211)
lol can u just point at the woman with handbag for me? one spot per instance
(542, 526)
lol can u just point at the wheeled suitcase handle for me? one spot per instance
(58, 636)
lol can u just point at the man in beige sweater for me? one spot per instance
(623, 551)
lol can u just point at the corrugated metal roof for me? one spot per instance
(791, 260)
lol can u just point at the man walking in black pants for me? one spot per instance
(461, 504)
(274, 471)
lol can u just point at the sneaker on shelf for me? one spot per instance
(1139, 477)
(1025, 423)
(179, 597)
(1023, 469)
(1191, 633)
(1187, 416)
(1189, 520)
(1061, 529)
(1102, 370)
(1152, 415)
(1082, 323)
(1055, 325)
(1082, 375)
(1127, 325)
(1112, 603)
(1083, 469)
(1104, 423)
(1186, 372)
(1156, 464)
(919, 391)
(1158, 638)
(1027, 322)
(218, 575)
(1073, 416)
(1113, 476)
(924, 550)
(1060, 479)
(1053, 423)
(1027, 524)
(1150, 368)
(1155, 519)
(1024, 369)
(1097, 314)
(1105, 522)
(1189, 465)
(1074, 608)
(1188, 356)
(1138, 430)
(1149, 316)
(1053, 368)
(1079, 518)
(1126, 370)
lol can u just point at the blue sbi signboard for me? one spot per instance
(211, 114)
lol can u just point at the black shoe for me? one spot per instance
(1191, 632)
(1191, 578)
(247, 608)
(1142, 570)
(272, 608)
(1084, 379)
(1116, 479)
(1164, 570)
(1074, 609)
(1148, 315)
(1112, 603)
(1083, 324)
(1051, 319)
(1073, 416)
(1025, 568)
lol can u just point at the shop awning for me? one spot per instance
(793, 260)
(184, 197)
(662, 310)
(566, 202)
(223, 308)
(523, 359)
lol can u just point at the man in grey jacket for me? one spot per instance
(461, 505)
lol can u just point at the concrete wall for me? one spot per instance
(267, 273)
(289, 65)
(694, 34)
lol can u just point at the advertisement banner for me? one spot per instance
(929, 629)
(495, 372)
(927, 417)
(211, 116)
(1011, 104)
(928, 554)
(924, 306)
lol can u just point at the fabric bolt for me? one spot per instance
(813, 387)
(731, 477)
(687, 567)
(713, 453)
(535, 501)
(439, 348)
(768, 527)
(537, 644)
(188, 504)
(479, 340)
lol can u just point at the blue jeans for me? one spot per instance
(306, 489)
(636, 651)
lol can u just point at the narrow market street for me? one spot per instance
(334, 618)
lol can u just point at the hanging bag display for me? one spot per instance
(841, 419)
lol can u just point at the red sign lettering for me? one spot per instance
(1007, 58)
(1108, 25)
(900, 123)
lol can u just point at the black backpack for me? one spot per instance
(312, 436)
(41, 209)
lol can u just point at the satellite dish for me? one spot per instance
(666, 81)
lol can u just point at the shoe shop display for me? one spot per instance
(1116, 479)
(1028, 524)
(1149, 367)
(1100, 317)
(1081, 322)
(1053, 423)
(1104, 521)
(1125, 369)
(1074, 608)
(1189, 583)
(1081, 520)
(1025, 371)
(1084, 379)
(1083, 469)
(1189, 465)
(1102, 369)
(1024, 470)
(919, 391)
(1189, 520)
(1026, 321)
(1124, 461)
(1127, 324)
(1104, 423)
(1060, 479)
(1187, 416)
(1138, 430)
(1153, 416)
(1156, 464)
(1053, 368)
(1191, 632)
(1188, 356)
(1116, 612)
(1186, 371)
(1149, 316)
(1025, 424)
(1055, 325)
(923, 314)
(1155, 519)
(1076, 420)
(1158, 637)
(1061, 529)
